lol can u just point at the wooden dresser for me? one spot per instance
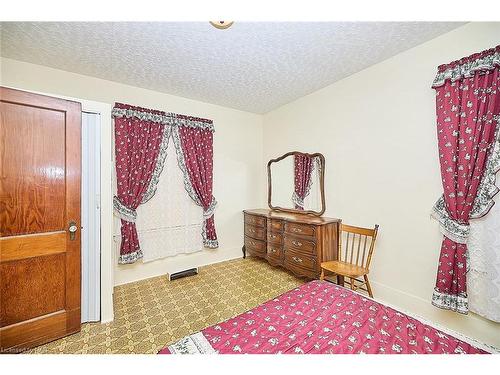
(297, 242)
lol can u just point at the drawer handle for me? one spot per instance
(297, 243)
(273, 250)
(252, 243)
(297, 230)
(252, 230)
(272, 235)
(297, 259)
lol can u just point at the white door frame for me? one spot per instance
(107, 267)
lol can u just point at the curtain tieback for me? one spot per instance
(123, 212)
(209, 211)
(451, 228)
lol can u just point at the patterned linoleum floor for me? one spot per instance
(153, 313)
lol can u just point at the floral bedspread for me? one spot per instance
(320, 317)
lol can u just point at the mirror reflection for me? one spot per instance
(296, 182)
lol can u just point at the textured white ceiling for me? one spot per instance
(254, 67)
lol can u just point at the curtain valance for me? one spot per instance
(466, 67)
(160, 117)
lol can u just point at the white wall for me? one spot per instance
(377, 131)
(238, 165)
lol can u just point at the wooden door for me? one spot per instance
(40, 167)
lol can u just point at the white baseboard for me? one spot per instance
(127, 274)
(471, 325)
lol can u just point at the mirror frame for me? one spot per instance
(321, 182)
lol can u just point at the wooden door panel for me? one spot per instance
(41, 276)
(20, 247)
(40, 167)
(33, 183)
(34, 332)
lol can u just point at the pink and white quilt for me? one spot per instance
(321, 318)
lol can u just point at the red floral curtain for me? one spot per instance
(303, 168)
(467, 107)
(138, 142)
(194, 146)
(141, 141)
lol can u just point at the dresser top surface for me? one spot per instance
(298, 217)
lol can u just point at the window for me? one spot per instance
(170, 223)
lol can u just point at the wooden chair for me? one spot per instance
(354, 257)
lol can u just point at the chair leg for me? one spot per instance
(368, 286)
(352, 283)
(340, 280)
(322, 277)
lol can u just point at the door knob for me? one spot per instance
(72, 230)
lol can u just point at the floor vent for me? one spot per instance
(178, 275)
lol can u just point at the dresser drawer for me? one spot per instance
(275, 225)
(300, 229)
(258, 221)
(274, 251)
(255, 246)
(255, 232)
(297, 259)
(275, 238)
(300, 244)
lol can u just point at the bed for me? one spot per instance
(322, 318)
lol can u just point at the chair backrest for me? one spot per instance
(357, 244)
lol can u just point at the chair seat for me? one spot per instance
(344, 269)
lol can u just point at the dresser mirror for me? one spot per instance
(296, 183)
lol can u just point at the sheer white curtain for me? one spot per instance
(170, 223)
(483, 278)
